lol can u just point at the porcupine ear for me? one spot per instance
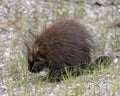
(29, 47)
(35, 50)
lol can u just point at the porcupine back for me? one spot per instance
(65, 42)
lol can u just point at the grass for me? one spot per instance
(20, 82)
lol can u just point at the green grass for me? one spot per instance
(21, 83)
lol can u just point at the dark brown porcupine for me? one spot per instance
(63, 43)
